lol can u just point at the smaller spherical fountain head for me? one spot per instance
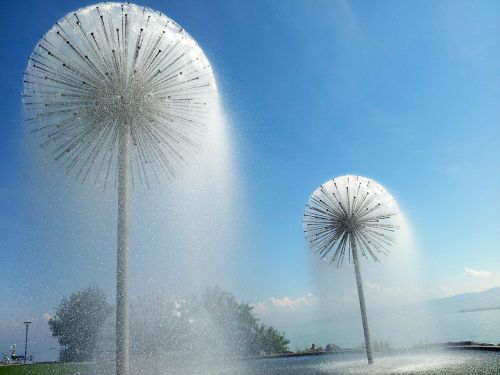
(350, 211)
(111, 69)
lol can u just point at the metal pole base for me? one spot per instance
(362, 305)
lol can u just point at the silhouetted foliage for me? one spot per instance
(77, 323)
(238, 328)
(270, 341)
(332, 348)
(160, 324)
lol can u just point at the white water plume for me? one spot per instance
(192, 227)
(183, 232)
(393, 290)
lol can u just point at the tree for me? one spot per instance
(332, 348)
(234, 322)
(160, 324)
(237, 327)
(270, 341)
(77, 324)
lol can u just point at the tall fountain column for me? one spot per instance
(347, 213)
(122, 334)
(87, 93)
(361, 295)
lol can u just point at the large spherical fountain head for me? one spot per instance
(350, 210)
(112, 69)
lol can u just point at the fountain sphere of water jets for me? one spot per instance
(113, 68)
(121, 93)
(346, 214)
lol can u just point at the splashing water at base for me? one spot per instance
(417, 363)
(428, 362)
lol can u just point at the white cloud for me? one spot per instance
(46, 316)
(290, 303)
(469, 272)
(285, 303)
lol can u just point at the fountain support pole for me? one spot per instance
(122, 334)
(361, 296)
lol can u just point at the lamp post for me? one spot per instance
(26, 340)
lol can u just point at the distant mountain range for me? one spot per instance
(468, 302)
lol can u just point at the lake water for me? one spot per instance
(481, 326)
(402, 328)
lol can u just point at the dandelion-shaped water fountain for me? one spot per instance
(346, 214)
(118, 93)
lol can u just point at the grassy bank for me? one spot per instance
(44, 369)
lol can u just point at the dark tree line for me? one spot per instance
(215, 323)
(237, 327)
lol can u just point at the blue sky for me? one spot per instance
(404, 92)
